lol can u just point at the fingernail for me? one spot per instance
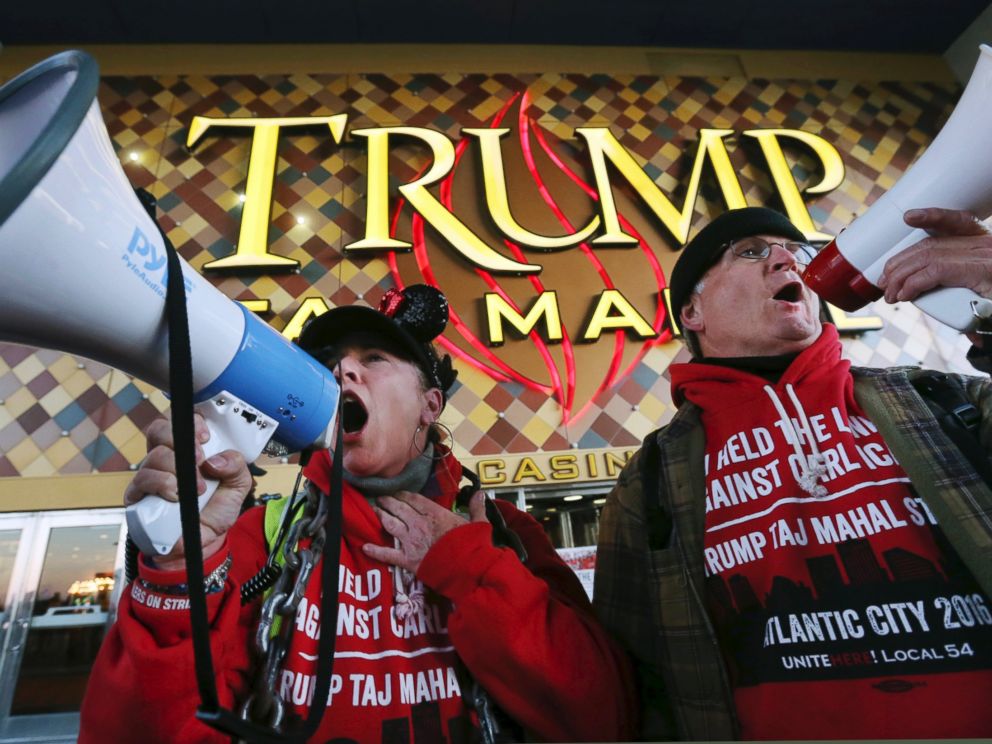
(914, 214)
(218, 461)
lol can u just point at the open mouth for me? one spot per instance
(353, 414)
(791, 292)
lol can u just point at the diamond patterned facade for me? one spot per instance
(62, 415)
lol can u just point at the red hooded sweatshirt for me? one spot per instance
(525, 631)
(840, 608)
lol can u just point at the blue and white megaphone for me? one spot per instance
(955, 173)
(83, 271)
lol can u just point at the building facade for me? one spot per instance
(547, 194)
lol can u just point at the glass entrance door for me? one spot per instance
(64, 580)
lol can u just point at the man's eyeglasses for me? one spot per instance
(757, 249)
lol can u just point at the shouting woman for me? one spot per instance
(456, 618)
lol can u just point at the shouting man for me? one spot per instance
(802, 552)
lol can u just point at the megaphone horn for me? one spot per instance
(84, 272)
(953, 173)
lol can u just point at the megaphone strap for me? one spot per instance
(181, 392)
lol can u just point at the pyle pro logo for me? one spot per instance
(144, 260)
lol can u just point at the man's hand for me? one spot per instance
(958, 253)
(417, 523)
(157, 477)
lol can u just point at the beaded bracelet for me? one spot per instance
(212, 582)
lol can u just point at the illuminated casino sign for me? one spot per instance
(549, 207)
(553, 251)
(550, 468)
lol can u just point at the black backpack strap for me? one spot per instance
(958, 417)
(495, 725)
(503, 536)
(659, 527)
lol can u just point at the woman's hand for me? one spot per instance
(157, 477)
(417, 523)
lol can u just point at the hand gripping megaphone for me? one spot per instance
(955, 173)
(84, 272)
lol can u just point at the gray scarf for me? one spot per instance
(413, 478)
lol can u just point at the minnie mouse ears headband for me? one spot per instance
(410, 318)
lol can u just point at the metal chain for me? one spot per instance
(264, 706)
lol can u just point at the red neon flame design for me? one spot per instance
(493, 365)
(490, 280)
(663, 334)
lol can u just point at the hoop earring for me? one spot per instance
(436, 455)
(447, 431)
(420, 450)
(420, 427)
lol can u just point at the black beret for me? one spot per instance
(705, 249)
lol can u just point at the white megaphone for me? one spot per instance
(84, 272)
(955, 173)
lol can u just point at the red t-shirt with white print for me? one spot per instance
(841, 609)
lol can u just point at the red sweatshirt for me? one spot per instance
(840, 608)
(525, 631)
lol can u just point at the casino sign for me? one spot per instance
(554, 252)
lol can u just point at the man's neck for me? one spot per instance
(770, 368)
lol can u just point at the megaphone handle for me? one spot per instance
(982, 310)
(958, 307)
(153, 523)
